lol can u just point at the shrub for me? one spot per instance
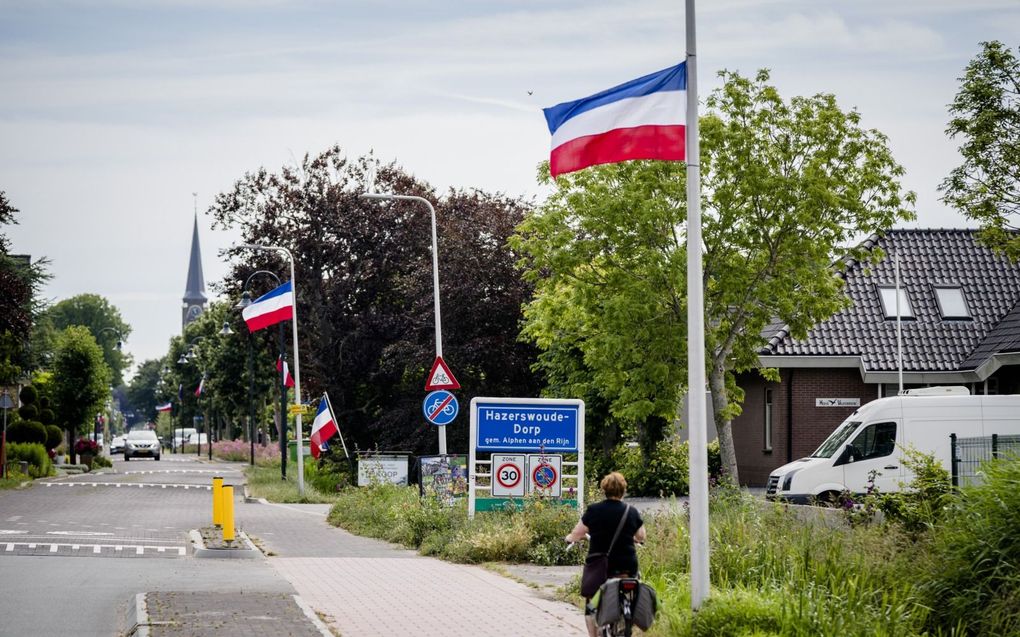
(328, 477)
(927, 497)
(29, 395)
(54, 436)
(974, 579)
(27, 431)
(28, 412)
(668, 471)
(39, 463)
(47, 417)
(739, 612)
(101, 461)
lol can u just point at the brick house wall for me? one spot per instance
(811, 424)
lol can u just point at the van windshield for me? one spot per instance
(836, 440)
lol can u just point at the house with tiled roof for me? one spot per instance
(959, 324)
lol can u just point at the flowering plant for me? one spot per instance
(84, 445)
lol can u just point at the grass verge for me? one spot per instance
(264, 481)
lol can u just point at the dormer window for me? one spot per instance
(952, 303)
(888, 296)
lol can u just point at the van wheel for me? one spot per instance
(829, 499)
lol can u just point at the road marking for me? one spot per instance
(97, 549)
(11, 532)
(53, 548)
(75, 547)
(140, 485)
(31, 546)
(14, 518)
(140, 550)
(10, 546)
(118, 548)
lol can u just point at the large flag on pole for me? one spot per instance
(284, 370)
(323, 427)
(165, 407)
(641, 119)
(270, 308)
(201, 386)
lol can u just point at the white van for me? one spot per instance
(183, 435)
(873, 438)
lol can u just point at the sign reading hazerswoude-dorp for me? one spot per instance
(509, 428)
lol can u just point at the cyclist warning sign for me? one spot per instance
(544, 471)
(441, 377)
(507, 475)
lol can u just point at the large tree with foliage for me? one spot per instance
(140, 393)
(103, 320)
(787, 186)
(20, 281)
(80, 382)
(986, 116)
(364, 290)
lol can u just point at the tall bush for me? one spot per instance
(27, 431)
(54, 436)
(975, 572)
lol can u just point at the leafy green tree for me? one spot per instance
(364, 290)
(103, 320)
(787, 186)
(20, 282)
(80, 382)
(986, 115)
(141, 391)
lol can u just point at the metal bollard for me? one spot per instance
(228, 514)
(217, 501)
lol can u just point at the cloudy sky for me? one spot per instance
(113, 112)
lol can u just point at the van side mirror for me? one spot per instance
(847, 456)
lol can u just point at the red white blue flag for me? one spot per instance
(270, 308)
(323, 427)
(165, 407)
(201, 387)
(281, 366)
(645, 118)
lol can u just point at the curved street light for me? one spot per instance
(244, 302)
(183, 360)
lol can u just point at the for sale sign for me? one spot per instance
(507, 475)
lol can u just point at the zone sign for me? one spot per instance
(544, 471)
(508, 475)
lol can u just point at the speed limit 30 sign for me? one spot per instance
(508, 475)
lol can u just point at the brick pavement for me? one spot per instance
(249, 614)
(366, 587)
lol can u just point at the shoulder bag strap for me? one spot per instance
(619, 528)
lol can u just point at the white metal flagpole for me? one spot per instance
(696, 335)
(329, 406)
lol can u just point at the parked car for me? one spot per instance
(183, 436)
(198, 439)
(142, 442)
(117, 445)
(869, 445)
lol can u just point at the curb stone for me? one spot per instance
(200, 550)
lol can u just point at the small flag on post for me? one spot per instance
(642, 119)
(323, 428)
(201, 387)
(165, 407)
(281, 366)
(270, 308)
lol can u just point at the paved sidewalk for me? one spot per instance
(366, 587)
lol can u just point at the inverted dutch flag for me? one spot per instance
(165, 407)
(323, 427)
(284, 370)
(201, 387)
(270, 308)
(645, 118)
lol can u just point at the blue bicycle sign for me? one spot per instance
(440, 407)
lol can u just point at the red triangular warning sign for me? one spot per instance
(441, 377)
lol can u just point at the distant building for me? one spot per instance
(960, 324)
(194, 291)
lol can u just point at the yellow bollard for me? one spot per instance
(228, 514)
(217, 501)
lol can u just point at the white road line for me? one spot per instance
(10, 547)
(75, 547)
(118, 548)
(53, 548)
(96, 548)
(140, 550)
(140, 485)
(14, 518)
(31, 546)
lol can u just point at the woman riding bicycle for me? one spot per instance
(601, 521)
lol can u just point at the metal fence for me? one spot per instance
(969, 453)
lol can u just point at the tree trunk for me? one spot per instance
(723, 425)
(71, 459)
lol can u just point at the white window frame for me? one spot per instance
(767, 422)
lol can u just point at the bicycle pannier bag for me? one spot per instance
(646, 605)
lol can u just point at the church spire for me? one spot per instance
(194, 291)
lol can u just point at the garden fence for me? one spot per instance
(969, 453)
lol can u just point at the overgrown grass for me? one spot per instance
(13, 480)
(264, 481)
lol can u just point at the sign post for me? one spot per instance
(512, 428)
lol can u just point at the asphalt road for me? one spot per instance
(74, 551)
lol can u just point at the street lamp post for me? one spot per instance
(435, 281)
(297, 368)
(184, 359)
(243, 303)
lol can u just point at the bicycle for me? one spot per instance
(614, 605)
